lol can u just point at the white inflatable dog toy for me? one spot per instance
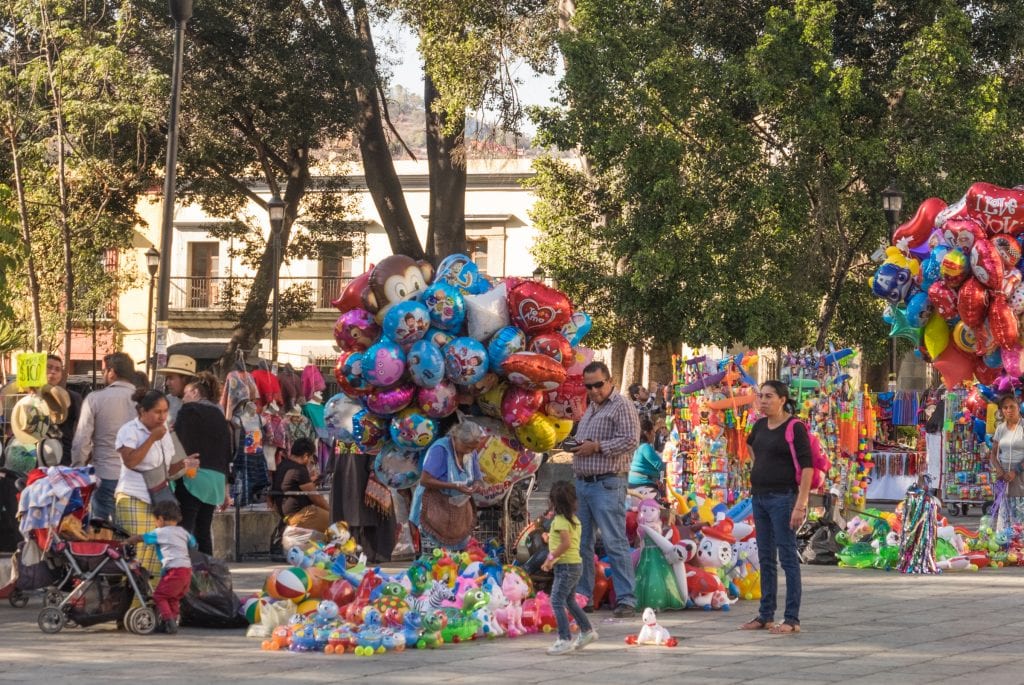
(652, 633)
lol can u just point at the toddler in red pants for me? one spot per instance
(171, 542)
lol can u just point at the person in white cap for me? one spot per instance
(179, 372)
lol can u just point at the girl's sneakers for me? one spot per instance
(560, 647)
(584, 639)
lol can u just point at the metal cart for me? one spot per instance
(505, 521)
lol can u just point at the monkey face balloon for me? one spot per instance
(396, 279)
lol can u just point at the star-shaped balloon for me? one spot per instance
(901, 327)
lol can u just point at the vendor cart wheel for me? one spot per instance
(953, 509)
(53, 598)
(51, 620)
(18, 599)
(964, 509)
(140, 620)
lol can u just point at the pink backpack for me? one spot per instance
(819, 460)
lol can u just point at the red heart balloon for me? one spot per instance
(555, 346)
(985, 376)
(518, 405)
(534, 371)
(972, 303)
(568, 401)
(986, 264)
(1000, 209)
(537, 308)
(962, 233)
(944, 299)
(1008, 249)
(917, 230)
(1002, 321)
(352, 296)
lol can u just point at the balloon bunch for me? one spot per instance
(919, 528)
(953, 281)
(417, 346)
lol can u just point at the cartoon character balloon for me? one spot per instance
(892, 283)
(426, 364)
(383, 364)
(396, 467)
(567, 401)
(369, 431)
(553, 345)
(518, 405)
(387, 401)
(413, 430)
(446, 306)
(349, 374)
(465, 361)
(339, 412)
(396, 279)
(356, 330)
(460, 271)
(534, 371)
(439, 401)
(577, 327)
(505, 342)
(406, 322)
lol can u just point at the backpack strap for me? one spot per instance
(792, 445)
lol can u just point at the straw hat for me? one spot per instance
(30, 420)
(58, 401)
(180, 364)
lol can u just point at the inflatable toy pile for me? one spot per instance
(952, 280)
(329, 601)
(417, 346)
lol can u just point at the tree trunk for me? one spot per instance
(26, 238)
(660, 367)
(830, 302)
(62, 185)
(618, 364)
(382, 180)
(637, 372)
(251, 324)
(446, 164)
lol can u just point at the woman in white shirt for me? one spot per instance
(145, 446)
(1007, 458)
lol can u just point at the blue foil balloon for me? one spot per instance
(993, 360)
(398, 467)
(919, 308)
(383, 364)
(465, 361)
(460, 271)
(426, 364)
(406, 322)
(505, 342)
(446, 306)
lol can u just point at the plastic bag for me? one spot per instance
(210, 601)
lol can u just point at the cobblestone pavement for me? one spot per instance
(859, 627)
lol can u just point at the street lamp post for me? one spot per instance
(276, 208)
(152, 264)
(538, 274)
(892, 204)
(181, 12)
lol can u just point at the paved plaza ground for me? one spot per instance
(859, 627)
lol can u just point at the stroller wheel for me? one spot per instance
(18, 599)
(51, 620)
(140, 620)
(53, 598)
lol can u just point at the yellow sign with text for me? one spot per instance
(32, 370)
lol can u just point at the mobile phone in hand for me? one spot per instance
(571, 444)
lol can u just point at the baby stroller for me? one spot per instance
(105, 578)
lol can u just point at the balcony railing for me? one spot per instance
(223, 293)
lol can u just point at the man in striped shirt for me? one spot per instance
(608, 434)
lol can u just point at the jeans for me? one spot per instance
(196, 518)
(563, 597)
(776, 544)
(602, 504)
(102, 506)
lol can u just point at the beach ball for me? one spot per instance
(252, 608)
(289, 583)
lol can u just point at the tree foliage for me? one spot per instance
(78, 117)
(735, 154)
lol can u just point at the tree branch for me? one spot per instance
(236, 184)
(387, 120)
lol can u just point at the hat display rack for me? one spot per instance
(29, 427)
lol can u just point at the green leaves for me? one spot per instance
(735, 153)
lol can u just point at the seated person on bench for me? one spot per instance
(292, 475)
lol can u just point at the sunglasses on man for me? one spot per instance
(594, 386)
